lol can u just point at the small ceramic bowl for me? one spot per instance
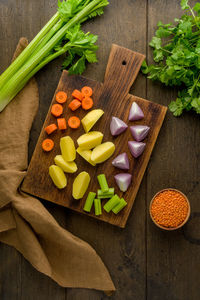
(170, 228)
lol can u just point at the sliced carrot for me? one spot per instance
(86, 91)
(77, 94)
(47, 145)
(51, 128)
(62, 125)
(74, 122)
(57, 110)
(87, 103)
(74, 104)
(61, 97)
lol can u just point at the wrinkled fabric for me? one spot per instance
(24, 222)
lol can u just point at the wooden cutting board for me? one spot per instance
(112, 96)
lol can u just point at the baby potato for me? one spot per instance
(90, 140)
(80, 185)
(58, 177)
(67, 148)
(91, 118)
(86, 154)
(66, 166)
(102, 152)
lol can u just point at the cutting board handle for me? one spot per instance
(122, 69)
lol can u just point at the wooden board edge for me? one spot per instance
(72, 210)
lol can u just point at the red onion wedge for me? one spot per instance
(123, 180)
(135, 112)
(117, 126)
(136, 148)
(139, 132)
(121, 161)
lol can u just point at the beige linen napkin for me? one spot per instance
(24, 222)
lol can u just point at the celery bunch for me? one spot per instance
(62, 34)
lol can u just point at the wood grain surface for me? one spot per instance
(111, 96)
(144, 262)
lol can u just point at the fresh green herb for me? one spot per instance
(62, 34)
(177, 54)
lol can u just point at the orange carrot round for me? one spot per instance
(87, 103)
(62, 125)
(56, 110)
(86, 91)
(61, 97)
(74, 122)
(51, 128)
(77, 94)
(74, 104)
(47, 145)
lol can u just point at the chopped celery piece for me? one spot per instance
(106, 195)
(119, 206)
(103, 183)
(97, 207)
(89, 201)
(114, 201)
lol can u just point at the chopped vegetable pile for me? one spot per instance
(114, 203)
(177, 56)
(62, 34)
(93, 150)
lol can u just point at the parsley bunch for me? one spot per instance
(177, 56)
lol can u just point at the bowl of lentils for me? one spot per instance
(169, 209)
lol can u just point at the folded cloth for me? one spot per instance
(24, 222)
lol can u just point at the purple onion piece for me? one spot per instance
(123, 180)
(121, 161)
(117, 126)
(135, 112)
(136, 148)
(139, 132)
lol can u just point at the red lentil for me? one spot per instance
(169, 209)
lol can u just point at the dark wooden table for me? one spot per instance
(144, 262)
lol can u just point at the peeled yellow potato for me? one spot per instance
(66, 166)
(58, 176)
(67, 148)
(91, 118)
(80, 185)
(102, 152)
(86, 154)
(90, 140)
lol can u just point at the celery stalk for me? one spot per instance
(114, 201)
(97, 207)
(103, 183)
(21, 70)
(18, 62)
(89, 202)
(48, 36)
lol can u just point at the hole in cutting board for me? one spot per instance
(123, 62)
